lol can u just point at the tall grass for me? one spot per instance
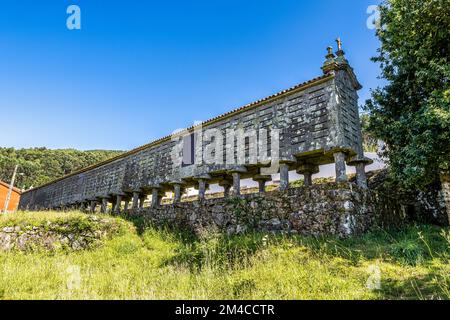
(150, 263)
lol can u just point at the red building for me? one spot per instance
(14, 200)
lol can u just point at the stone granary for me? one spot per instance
(301, 128)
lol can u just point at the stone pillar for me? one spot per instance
(226, 185)
(236, 174)
(113, 204)
(226, 190)
(341, 171)
(177, 193)
(307, 170)
(236, 183)
(201, 189)
(360, 164)
(118, 204)
(142, 200)
(307, 179)
(285, 163)
(284, 176)
(178, 189)
(262, 179)
(104, 205)
(126, 204)
(156, 197)
(361, 178)
(202, 185)
(93, 206)
(261, 186)
(135, 200)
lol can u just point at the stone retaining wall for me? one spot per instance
(328, 209)
(56, 235)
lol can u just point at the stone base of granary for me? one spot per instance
(328, 209)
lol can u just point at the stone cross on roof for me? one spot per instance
(339, 43)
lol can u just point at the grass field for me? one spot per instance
(142, 262)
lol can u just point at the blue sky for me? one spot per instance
(137, 71)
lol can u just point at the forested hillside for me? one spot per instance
(40, 165)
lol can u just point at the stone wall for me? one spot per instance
(55, 235)
(327, 209)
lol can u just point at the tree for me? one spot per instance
(370, 144)
(411, 113)
(41, 165)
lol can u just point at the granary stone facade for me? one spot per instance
(301, 128)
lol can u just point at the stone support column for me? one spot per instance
(226, 185)
(178, 189)
(236, 183)
(156, 197)
(113, 204)
(360, 164)
(142, 201)
(118, 203)
(104, 205)
(135, 200)
(285, 163)
(307, 178)
(226, 190)
(202, 185)
(177, 193)
(201, 189)
(236, 174)
(284, 176)
(307, 170)
(261, 186)
(361, 178)
(93, 205)
(341, 171)
(262, 180)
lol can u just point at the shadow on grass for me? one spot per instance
(195, 251)
(433, 285)
(413, 245)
